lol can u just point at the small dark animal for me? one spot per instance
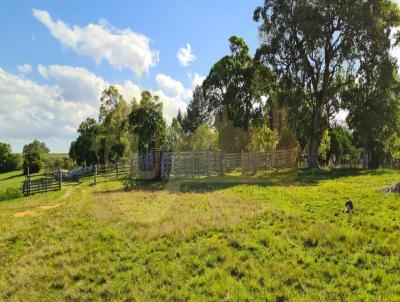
(348, 207)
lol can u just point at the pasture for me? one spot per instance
(272, 236)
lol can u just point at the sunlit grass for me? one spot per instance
(285, 241)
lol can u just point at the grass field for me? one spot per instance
(281, 237)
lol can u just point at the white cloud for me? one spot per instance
(169, 85)
(30, 110)
(129, 90)
(171, 105)
(121, 48)
(75, 84)
(52, 112)
(185, 55)
(173, 95)
(197, 80)
(25, 68)
(43, 71)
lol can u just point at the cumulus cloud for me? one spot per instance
(173, 95)
(25, 68)
(75, 84)
(185, 55)
(121, 48)
(197, 80)
(52, 112)
(169, 85)
(30, 110)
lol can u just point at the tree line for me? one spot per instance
(315, 59)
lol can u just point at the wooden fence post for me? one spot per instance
(117, 168)
(222, 165)
(60, 178)
(28, 178)
(208, 163)
(192, 163)
(95, 175)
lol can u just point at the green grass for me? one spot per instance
(285, 241)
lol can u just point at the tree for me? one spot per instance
(236, 84)
(33, 156)
(324, 146)
(176, 137)
(205, 139)
(341, 145)
(262, 138)
(147, 122)
(8, 161)
(86, 150)
(109, 99)
(372, 96)
(312, 46)
(231, 139)
(197, 112)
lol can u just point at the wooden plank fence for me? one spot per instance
(196, 164)
(171, 165)
(40, 185)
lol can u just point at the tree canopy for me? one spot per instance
(313, 48)
(147, 122)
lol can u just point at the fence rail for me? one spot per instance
(41, 185)
(196, 164)
(169, 165)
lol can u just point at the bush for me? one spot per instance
(8, 161)
(12, 163)
(34, 167)
(10, 193)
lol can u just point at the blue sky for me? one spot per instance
(56, 56)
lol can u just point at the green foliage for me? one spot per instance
(10, 193)
(33, 154)
(287, 140)
(8, 160)
(197, 112)
(86, 149)
(374, 107)
(53, 163)
(313, 48)
(204, 139)
(147, 122)
(324, 146)
(262, 139)
(108, 140)
(392, 146)
(342, 147)
(236, 85)
(177, 139)
(231, 139)
(110, 98)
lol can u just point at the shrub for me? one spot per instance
(10, 193)
(34, 167)
(12, 163)
(8, 161)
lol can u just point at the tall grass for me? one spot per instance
(10, 193)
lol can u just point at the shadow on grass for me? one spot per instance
(12, 176)
(287, 177)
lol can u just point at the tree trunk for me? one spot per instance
(365, 152)
(314, 140)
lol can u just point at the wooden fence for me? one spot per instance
(208, 163)
(196, 164)
(40, 185)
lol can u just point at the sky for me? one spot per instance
(57, 56)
